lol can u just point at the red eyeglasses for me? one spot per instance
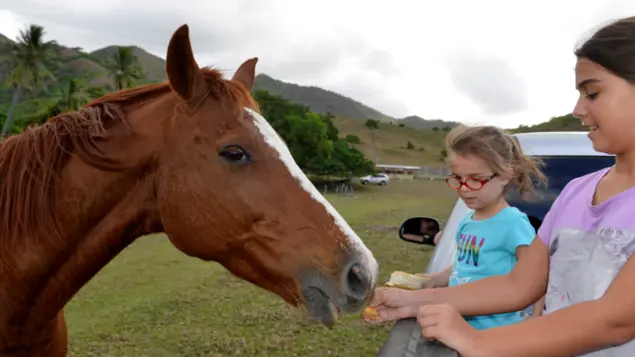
(471, 183)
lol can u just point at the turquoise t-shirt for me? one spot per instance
(488, 247)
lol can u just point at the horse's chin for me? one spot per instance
(320, 307)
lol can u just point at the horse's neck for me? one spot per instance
(113, 211)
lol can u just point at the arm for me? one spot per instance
(525, 284)
(539, 305)
(441, 279)
(575, 330)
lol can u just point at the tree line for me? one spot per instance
(38, 85)
(312, 138)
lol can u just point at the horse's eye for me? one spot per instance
(235, 154)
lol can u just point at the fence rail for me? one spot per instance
(432, 172)
(340, 187)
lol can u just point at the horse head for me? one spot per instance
(228, 190)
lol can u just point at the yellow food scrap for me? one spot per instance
(370, 312)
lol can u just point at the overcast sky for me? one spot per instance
(488, 61)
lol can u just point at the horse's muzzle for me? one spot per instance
(327, 298)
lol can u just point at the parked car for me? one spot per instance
(566, 155)
(378, 179)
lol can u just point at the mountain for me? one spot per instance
(395, 141)
(390, 143)
(417, 122)
(5, 55)
(153, 66)
(319, 100)
(561, 123)
(76, 63)
(324, 101)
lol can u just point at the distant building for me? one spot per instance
(399, 171)
(413, 172)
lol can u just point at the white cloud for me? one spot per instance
(491, 61)
(489, 82)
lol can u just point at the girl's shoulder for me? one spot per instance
(583, 185)
(510, 213)
(513, 219)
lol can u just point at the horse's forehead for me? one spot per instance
(271, 138)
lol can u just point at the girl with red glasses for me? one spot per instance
(485, 163)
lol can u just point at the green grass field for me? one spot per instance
(154, 301)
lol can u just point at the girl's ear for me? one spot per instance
(506, 176)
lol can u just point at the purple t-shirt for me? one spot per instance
(588, 245)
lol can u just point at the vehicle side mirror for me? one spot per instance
(420, 230)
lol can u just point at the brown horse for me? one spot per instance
(192, 158)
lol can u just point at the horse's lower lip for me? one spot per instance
(321, 308)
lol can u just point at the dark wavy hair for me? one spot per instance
(613, 47)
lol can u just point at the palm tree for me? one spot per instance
(32, 60)
(124, 68)
(71, 96)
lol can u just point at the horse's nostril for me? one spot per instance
(357, 282)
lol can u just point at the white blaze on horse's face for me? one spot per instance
(354, 242)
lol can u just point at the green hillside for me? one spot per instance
(5, 58)
(390, 145)
(562, 123)
(319, 100)
(153, 66)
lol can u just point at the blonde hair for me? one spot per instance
(500, 150)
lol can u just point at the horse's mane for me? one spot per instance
(31, 162)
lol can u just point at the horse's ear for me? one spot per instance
(183, 72)
(246, 73)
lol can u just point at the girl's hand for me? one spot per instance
(391, 304)
(444, 324)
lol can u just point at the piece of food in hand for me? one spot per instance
(403, 280)
(370, 312)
